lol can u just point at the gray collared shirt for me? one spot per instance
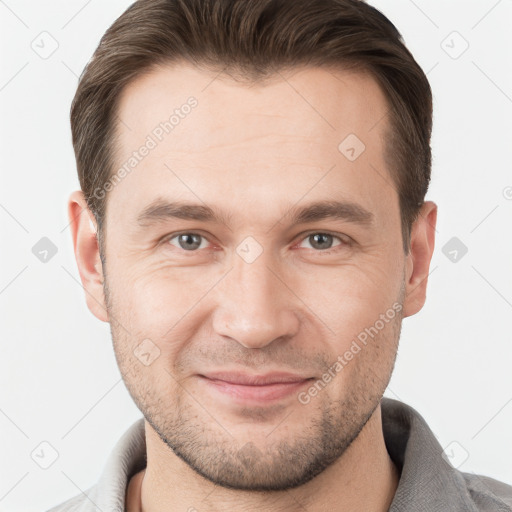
(428, 482)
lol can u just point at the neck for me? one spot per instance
(363, 478)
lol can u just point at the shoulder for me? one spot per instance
(488, 494)
(108, 493)
(79, 503)
(91, 500)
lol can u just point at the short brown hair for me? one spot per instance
(254, 39)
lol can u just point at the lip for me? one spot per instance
(254, 388)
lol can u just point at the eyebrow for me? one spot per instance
(161, 210)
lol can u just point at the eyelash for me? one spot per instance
(345, 240)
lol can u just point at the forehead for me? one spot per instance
(309, 131)
(323, 100)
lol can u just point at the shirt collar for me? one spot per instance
(428, 482)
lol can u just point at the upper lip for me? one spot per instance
(254, 379)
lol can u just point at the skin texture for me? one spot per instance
(254, 152)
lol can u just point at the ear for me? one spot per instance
(417, 262)
(87, 254)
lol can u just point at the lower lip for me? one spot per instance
(264, 393)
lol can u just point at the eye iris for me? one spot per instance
(190, 241)
(186, 238)
(319, 240)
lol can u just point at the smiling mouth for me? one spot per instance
(255, 388)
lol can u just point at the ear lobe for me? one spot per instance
(418, 260)
(87, 255)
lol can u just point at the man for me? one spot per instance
(252, 224)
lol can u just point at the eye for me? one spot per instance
(187, 241)
(320, 241)
(323, 242)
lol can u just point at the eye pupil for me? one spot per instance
(192, 241)
(319, 240)
(186, 238)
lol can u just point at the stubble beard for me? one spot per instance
(282, 463)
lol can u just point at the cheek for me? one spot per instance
(162, 307)
(167, 305)
(350, 297)
(366, 357)
(155, 300)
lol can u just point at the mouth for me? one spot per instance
(256, 388)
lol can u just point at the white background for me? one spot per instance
(59, 381)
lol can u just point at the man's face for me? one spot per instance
(255, 292)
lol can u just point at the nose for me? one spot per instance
(254, 305)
